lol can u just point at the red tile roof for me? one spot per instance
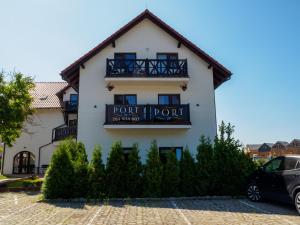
(45, 94)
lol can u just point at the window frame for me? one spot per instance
(123, 95)
(71, 102)
(169, 96)
(170, 148)
(168, 54)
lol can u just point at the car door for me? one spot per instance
(270, 177)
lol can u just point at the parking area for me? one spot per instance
(24, 208)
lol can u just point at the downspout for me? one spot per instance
(3, 156)
(40, 148)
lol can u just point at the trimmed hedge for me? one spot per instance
(219, 168)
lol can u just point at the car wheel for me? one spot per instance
(254, 193)
(297, 202)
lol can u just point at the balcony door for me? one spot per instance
(125, 62)
(168, 63)
(125, 99)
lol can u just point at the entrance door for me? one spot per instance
(24, 163)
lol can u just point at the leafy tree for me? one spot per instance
(15, 105)
(97, 174)
(153, 173)
(116, 172)
(134, 173)
(187, 173)
(171, 176)
(204, 167)
(59, 178)
(81, 171)
(232, 166)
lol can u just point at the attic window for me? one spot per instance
(43, 97)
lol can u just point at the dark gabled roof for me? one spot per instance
(71, 73)
(283, 143)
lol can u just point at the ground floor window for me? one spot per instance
(24, 163)
(163, 151)
(126, 152)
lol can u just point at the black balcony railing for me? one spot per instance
(70, 106)
(146, 68)
(64, 132)
(148, 114)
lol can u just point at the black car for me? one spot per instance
(278, 179)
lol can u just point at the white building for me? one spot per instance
(145, 82)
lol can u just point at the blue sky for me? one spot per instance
(259, 41)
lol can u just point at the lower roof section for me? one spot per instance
(145, 126)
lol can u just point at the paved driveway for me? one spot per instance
(21, 208)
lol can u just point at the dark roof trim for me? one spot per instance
(221, 74)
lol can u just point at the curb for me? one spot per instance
(84, 200)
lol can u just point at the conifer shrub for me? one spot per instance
(187, 174)
(171, 176)
(59, 178)
(231, 165)
(96, 175)
(80, 163)
(204, 167)
(116, 172)
(134, 173)
(152, 173)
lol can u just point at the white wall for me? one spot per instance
(36, 133)
(146, 39)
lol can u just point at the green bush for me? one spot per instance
(187, 173)
(81, 171)
(153, 173)
(97, 175)
(204, 167)
(134, 173)
(171, 176)
(59, 178)
(116, 172)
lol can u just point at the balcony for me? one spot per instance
(70, 107)
(147, 116)
(64, 132)
(146, 70)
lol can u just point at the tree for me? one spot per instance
(153, 173)
(59, 178)
(204, 167)
(171, 176)
(15, 105)
(232, 166)
(97, 175)
(187, 173)
(134, 173)
(116, 172)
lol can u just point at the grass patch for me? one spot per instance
(35, 182)
(2, 177)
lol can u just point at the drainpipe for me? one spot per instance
(40, 148)
(3, 156)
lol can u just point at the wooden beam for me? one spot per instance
(209, 66)
(113, 44)
(179, 44)
(82, 66)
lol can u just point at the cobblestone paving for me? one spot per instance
(21, 208)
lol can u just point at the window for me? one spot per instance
(125, 100)
(289, 163)
(73, 99)
(163, 152)
(169, 99)
(167, 56)
(72, 123)
(125, 61)
(274, 165)
(126, 152)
